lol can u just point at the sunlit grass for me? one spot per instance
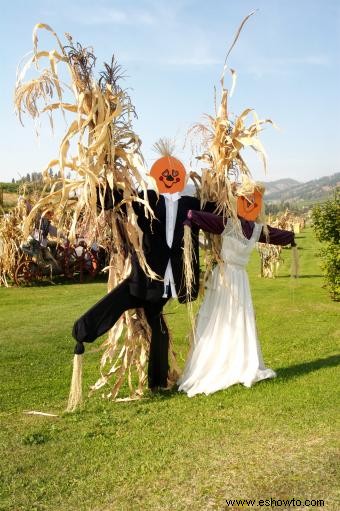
(169, 452)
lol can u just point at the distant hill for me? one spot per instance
(280, 185)
(279, 191)
(294, 191)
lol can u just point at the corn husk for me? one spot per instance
(271, 259)
(99, 152)
(223, 139)
(11, 238)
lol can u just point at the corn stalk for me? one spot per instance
(101, 153)
(11, 237)
(270, 256)
(223, 139)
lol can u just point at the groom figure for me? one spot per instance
(163, 241)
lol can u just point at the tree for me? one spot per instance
(326, 223)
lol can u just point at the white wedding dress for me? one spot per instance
(226, 349)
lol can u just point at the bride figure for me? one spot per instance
(226, 349)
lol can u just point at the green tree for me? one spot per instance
(326, 223)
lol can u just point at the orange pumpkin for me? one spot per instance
(169, 174)
(249, 207)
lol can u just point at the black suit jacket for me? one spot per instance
(157, 252)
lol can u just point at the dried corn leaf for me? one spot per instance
(101, 148)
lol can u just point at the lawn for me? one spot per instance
(277, 440)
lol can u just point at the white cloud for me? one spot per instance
(313, 60)
(111, 16)
(175, 60)
(191, 61)
(284, 65)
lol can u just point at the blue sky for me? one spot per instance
(287, 61)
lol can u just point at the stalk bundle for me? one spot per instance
(290, 222)
(270, 256)
(11, 237)
(98, 153)
(223, 139)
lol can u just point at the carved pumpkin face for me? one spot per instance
(249, 207)
(169, 174)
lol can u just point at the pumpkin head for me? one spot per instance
(169, 174)
(249, 206)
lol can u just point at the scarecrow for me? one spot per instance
(98, 150)
(163, 245)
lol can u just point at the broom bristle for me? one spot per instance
(295, 263)
(188, 258)
(164, 146)
(76, 395)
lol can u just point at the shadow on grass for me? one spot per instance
(60, 280)
(286, 373)
(309, 276)
(283, 373)
(163, 394)
(299, 277)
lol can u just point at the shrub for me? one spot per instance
(10, 187)
(326, 223)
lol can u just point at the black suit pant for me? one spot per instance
(105, 313)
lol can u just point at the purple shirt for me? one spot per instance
(215, 224)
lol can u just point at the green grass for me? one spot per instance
(9, 187)
(169, 452)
